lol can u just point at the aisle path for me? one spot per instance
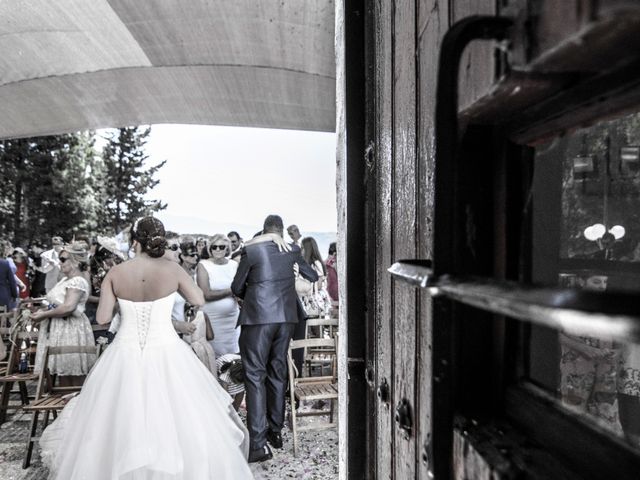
(317, 459)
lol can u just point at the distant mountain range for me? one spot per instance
(199, 227)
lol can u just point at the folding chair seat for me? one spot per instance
(51, 398)
(312, 389)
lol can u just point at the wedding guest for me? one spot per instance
(172, 251)
(50, 264)
(21, 261)
(332, 273)
(188, 259)
(214, 277)
(190, 321)
(311, 254)
(8, 289)
(106, 255)
(265, 280)
(7, 249)
(203, 247)
(294, 233)
(64, 322)
(37, 283)
(236, 244)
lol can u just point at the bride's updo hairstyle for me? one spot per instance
(149, 233)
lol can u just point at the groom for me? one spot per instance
(265, 280)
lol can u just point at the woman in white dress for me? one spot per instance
(214, 276)
(149, 409)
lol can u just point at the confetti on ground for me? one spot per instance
(317, 456)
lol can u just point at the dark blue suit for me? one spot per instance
(266, 282)
(8, 288)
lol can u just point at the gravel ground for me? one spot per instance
(317, 456)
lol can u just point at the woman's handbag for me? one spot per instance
(303, 286)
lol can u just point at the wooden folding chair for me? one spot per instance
(9, 373)
(320, 357)
(311, 389)
(6, 319)
(51, 398)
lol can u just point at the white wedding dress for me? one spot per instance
(149, 410)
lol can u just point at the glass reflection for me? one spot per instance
(589, 367)
(586, 234)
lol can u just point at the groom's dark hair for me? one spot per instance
(273, 224)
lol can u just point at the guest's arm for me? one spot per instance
(306, 270)
(208, 328)
(189, 290)
(71, 300)
(11, 281)
(271, 237)
(202, 278)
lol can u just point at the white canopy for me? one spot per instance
(68, 65)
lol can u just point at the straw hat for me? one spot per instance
(77, 251)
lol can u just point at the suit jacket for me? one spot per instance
(8, 289)
(266, 282)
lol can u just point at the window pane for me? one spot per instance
(586, 234)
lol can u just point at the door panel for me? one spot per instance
(404, 234)
(433, 21)
(383, 185)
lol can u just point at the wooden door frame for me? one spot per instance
(355, 397)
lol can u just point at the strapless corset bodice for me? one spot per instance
(146, 323)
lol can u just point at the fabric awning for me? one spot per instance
(70, 65)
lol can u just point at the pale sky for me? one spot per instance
(217, 178)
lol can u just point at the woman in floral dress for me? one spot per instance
(64, 323)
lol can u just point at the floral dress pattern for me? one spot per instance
(73, 330)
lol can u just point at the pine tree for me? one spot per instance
(126, 179)
(48, 187)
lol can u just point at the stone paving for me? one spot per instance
(317, 456)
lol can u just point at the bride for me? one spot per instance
(149, 409)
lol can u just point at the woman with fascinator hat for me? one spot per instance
(63, 322)
(105, 256)
(163, 415)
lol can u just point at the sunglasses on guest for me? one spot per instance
(191, 254)
(173, 247)
(217, 247)
(63, 259)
